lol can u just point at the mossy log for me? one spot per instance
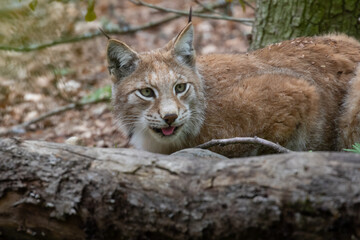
(59, 191)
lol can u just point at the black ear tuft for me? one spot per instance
(105, 34)
(190, 15)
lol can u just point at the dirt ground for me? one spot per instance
(35, 82)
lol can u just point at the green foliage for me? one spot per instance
(33, 4)
(90, 15)
(355, 149)
(242, 3)
(63, 71)
(98, 94)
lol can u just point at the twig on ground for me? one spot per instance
(237, 140)
(246, 21)
(21, 128)
(88, 36)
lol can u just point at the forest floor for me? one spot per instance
(33, 83)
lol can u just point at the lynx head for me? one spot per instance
(158, 96)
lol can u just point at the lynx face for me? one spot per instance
(158, 96)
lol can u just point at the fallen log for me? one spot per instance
(59, 191)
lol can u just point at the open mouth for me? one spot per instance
(167, 131)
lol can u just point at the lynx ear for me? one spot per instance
(183, 46)
(121, 58)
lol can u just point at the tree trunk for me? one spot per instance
(58, 191)
(281, 20)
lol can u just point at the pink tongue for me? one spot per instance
(168, 131)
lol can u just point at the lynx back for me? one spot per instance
(301, 93)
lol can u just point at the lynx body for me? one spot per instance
(303, 94)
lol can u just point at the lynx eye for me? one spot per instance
(147, 92)
(180, 88)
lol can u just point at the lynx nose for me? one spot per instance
(170, 118)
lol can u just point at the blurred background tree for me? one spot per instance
(278, 20)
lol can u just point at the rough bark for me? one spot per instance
(286, 19)
(58, 191)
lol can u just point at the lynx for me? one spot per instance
(303, 94)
